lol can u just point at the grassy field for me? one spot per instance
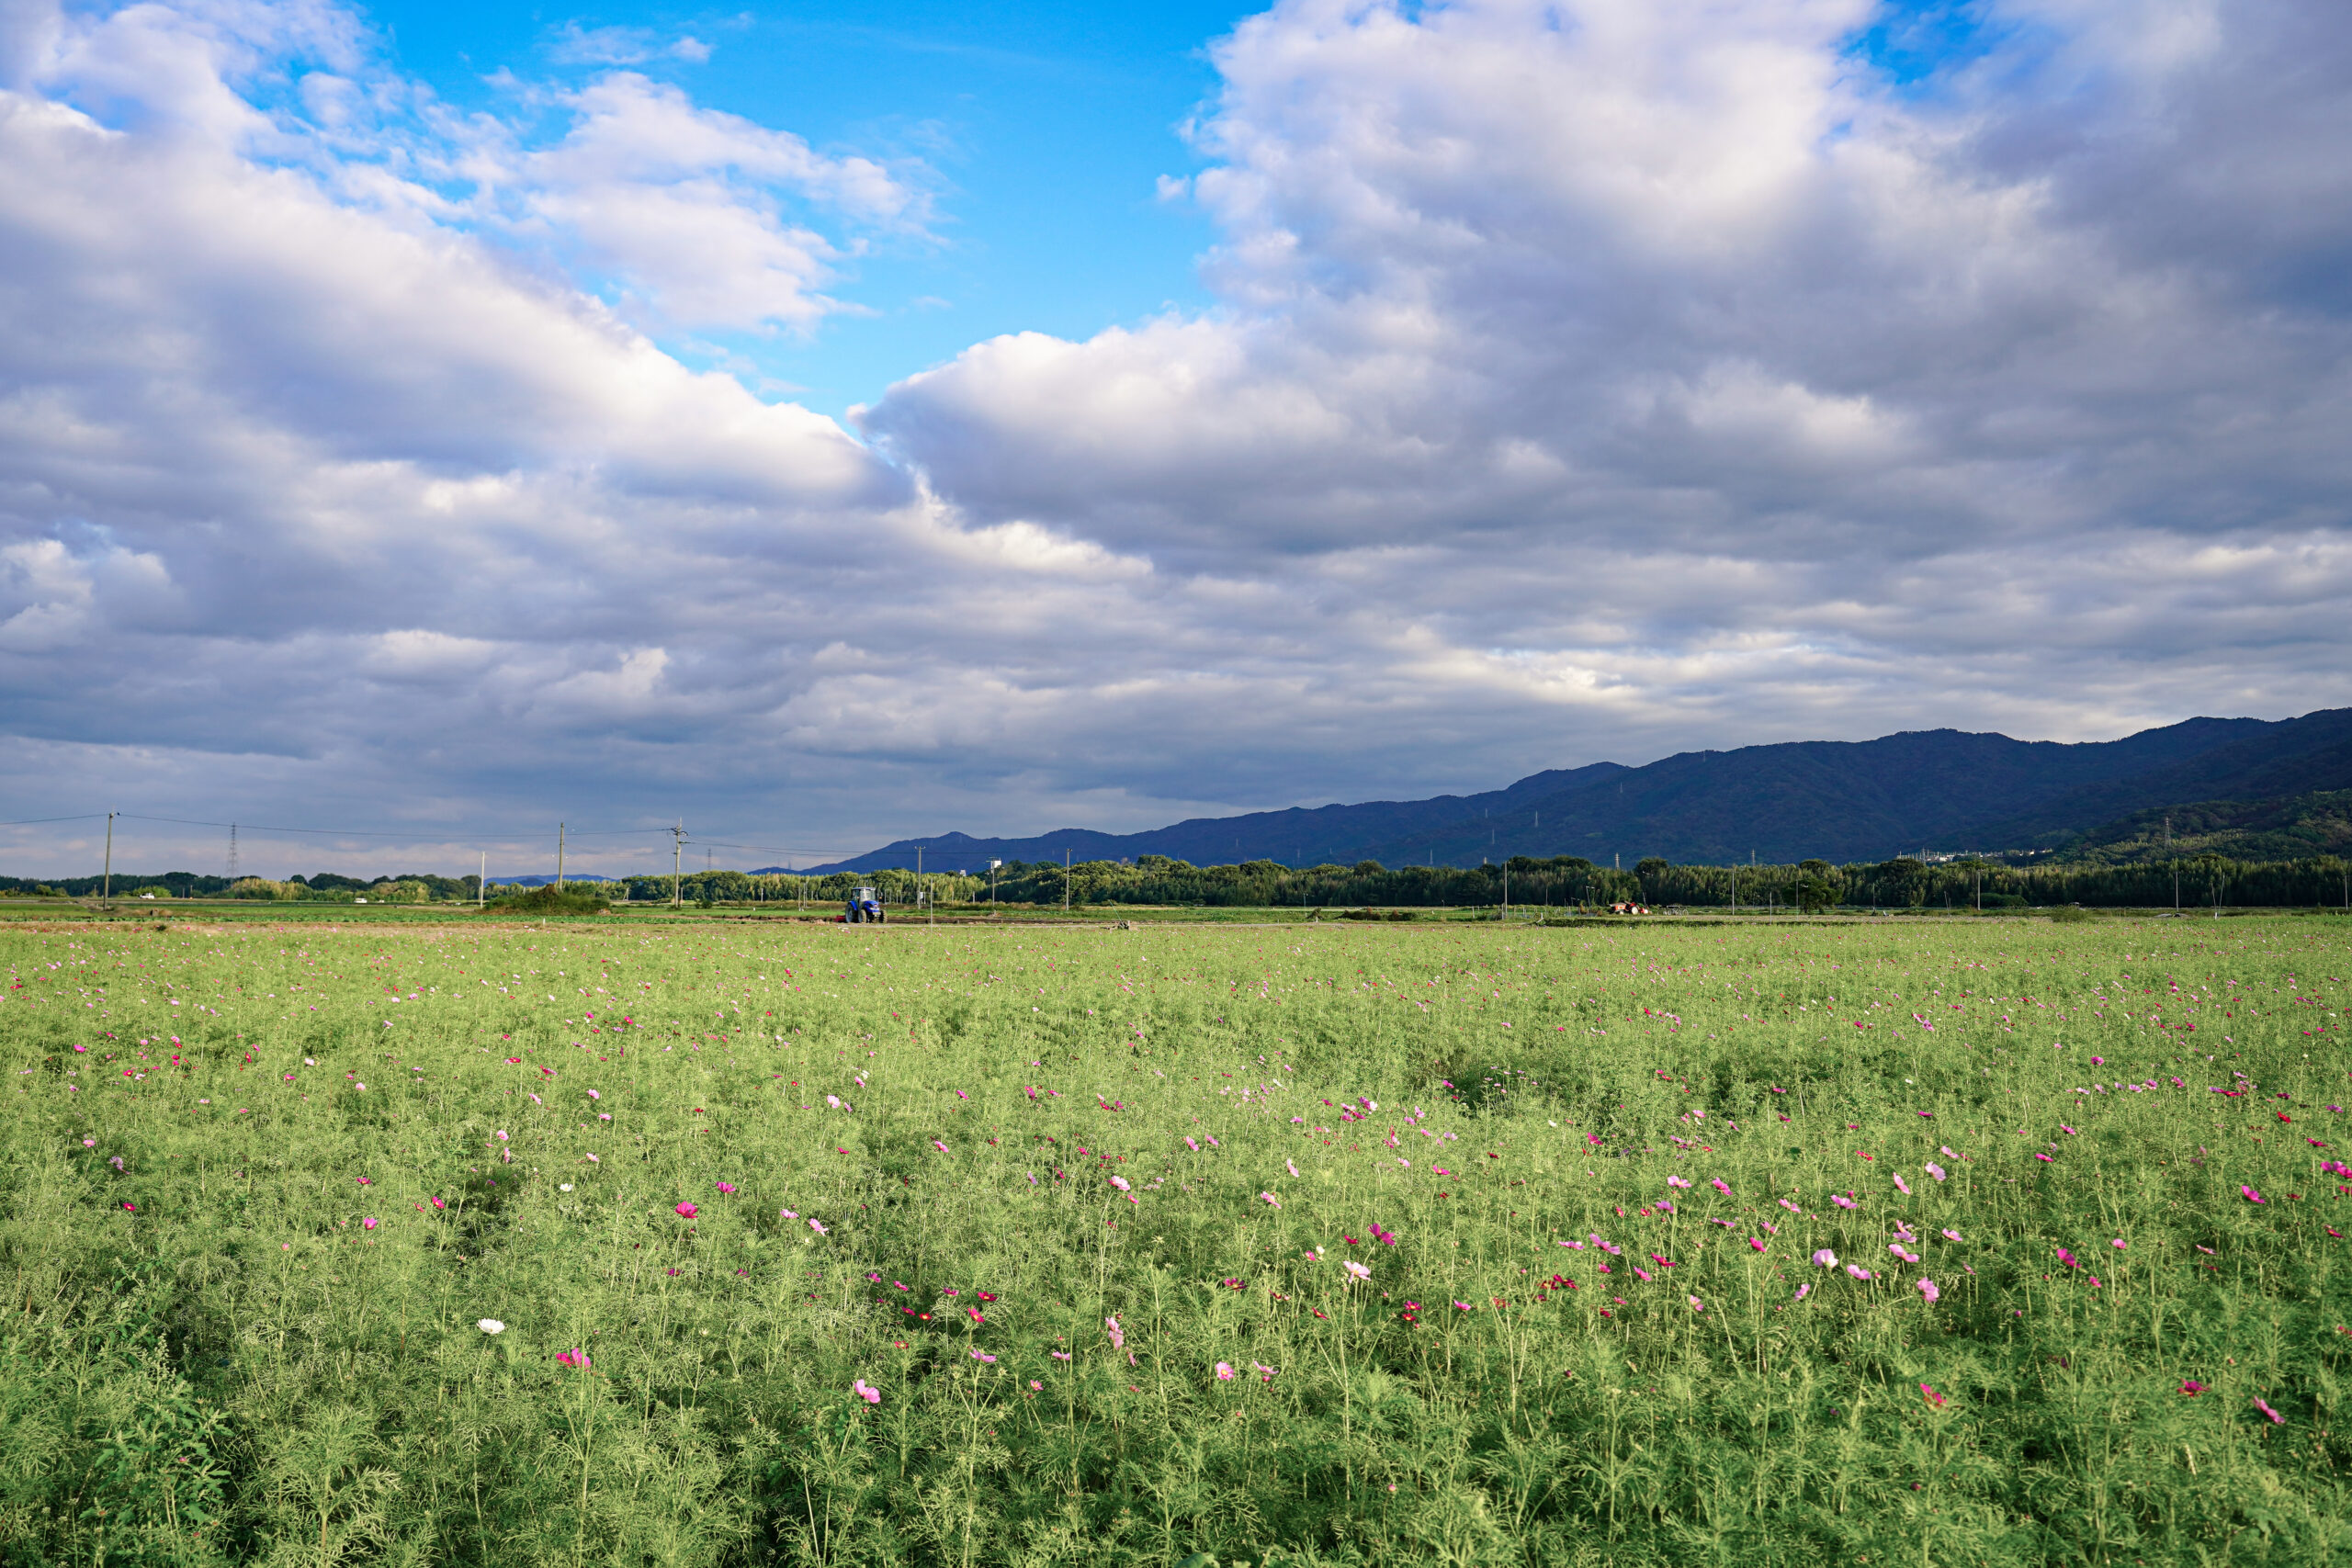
(1465, 1244)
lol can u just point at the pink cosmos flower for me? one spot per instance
(1356, 1270)
(1676, 1181)
(866, 1391)
(1935, 1170)
(2251, 1196)
(687, 1211)
(574, 1358)
(2275, 1419)
(1825, 1259)
(940, 1147)
(1902, 1186)
(1951, 1235)
(726, 1187)
(1223, 1372)
(1118, 1340)
(984, 1356)
(1120, 1182)
(2191, 1386)
(2117, 1244)
(1928, 1288)
(1934, 1399)
(818, 1225)
(1272, 1200)
(368, 1224)
(1857, 1271)
(1696, 1304)
(1720, 1185)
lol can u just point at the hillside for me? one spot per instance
(1842, 801)
(2295, 826)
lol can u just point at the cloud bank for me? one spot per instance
(1589, 379)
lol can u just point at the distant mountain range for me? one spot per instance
(1939, 790)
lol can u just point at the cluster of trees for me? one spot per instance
(1570, 880)
(1565, 882)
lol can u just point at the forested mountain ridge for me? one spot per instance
(1941, 790)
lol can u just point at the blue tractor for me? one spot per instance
(862, 907)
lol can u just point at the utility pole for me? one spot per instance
(481, 881)
(106, 885)
(559, 857)
(232, 851)
(993, 865)
(677, 858)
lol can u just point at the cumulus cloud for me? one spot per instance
(1591, 378)
(1673, 343)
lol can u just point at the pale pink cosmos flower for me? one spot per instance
(984, 1356)
(1857, 1271)
(1928, 1288)
(1803, 1290)
(1676, 1181)
(2117, 1244)
(817, 1225)
(1720, 1185)
(1224, 1371)
(940, 1147)
(1272, 1200)
(1696, 1304)
(1118, 1339)
(1902, 1186)
(1120, 1182)
(1951, 1235)
(1291, 1167)
(1825, 1259)
(1356, 1270)
(866, 1391)
(1935, 1170)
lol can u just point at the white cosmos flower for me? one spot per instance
(490, 1326)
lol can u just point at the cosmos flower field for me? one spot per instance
(624, 1242)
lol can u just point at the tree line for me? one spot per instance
(1566, 883)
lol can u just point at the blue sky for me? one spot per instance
(1045, 129)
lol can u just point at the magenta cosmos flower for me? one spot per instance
(687, 1211)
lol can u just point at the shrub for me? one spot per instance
(550, 900)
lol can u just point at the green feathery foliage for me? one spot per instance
(489, 1245)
